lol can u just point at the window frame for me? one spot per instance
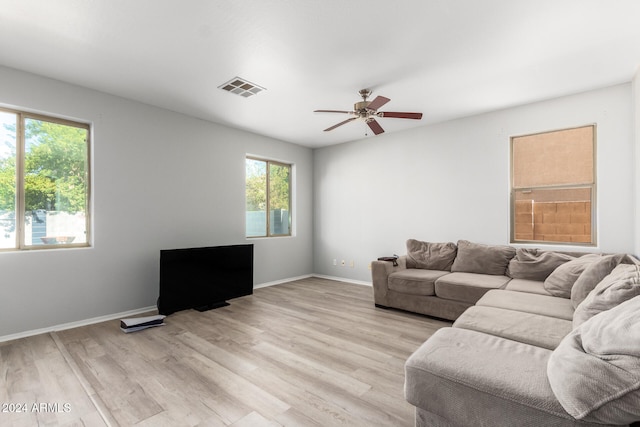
(20, 214)
(591, 186)
(268, 163)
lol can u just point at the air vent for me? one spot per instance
(241, 87)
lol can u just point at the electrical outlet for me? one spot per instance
(369, 266)
(351, 264)
(335, 261)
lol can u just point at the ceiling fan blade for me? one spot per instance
(378, 102)
(332, 111)
(398, 115)
(339, 124)
(375, 127)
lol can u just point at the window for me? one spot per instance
(44, 182)
(268, 198)
(553, 187)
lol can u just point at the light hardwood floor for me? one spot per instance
(308, 352)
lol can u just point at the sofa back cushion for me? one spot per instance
(594, 273)
(560, 282)
(595, 371)
(483, 259)
(533, 264)
(621, 285)
(429, 255)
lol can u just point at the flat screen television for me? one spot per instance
(204, 278)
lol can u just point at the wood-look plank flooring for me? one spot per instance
(311, 352)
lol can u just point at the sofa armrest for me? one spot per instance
(380, 271)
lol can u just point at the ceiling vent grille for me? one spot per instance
(241, 87)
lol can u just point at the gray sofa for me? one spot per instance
(540, 338)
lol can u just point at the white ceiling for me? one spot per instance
(444, 58)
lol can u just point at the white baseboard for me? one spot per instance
(77, 324)
(279, 282)
(129, 313)
(306, 276)
(343, 279)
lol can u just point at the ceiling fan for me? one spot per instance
(368, 112)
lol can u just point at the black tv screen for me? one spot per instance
(204, 278)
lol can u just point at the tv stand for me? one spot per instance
(211, 306)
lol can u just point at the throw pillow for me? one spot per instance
(595, 370)
(594, 273)
(431, 256)
(531, 264)
(560, 282)
(483, 259)
(621, 285)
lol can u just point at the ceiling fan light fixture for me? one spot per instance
(241, 87)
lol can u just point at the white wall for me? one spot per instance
(450, 181)
(161, 180)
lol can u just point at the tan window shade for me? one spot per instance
(562, 157)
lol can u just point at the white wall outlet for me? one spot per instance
(335, 261)
(351, 264)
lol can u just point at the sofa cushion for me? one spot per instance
(541, 331)
(415, 281)
(467, 287)
(483, 259)
(560, 282)
(594, 273)
(533, 264)
(544, 305)
(595, 371)
(430, 305)
(622, 284)
(524, 285)
(432, 256)
(467, 378)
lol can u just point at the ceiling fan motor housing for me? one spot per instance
(361, 106)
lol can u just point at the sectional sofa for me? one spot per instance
(540, 338)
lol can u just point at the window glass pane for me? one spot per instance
(562, 157)
(553, 215)
(256, 198)
(279, 199)
(8, 123)
(55, 183)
